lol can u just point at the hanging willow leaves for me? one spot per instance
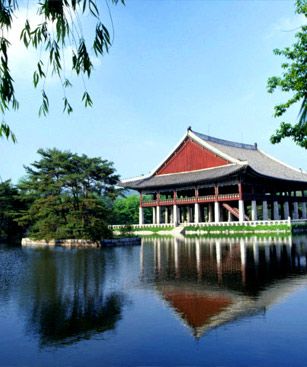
(58, 33)
(44, 108)
(87, 100)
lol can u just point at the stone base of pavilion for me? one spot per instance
(207, 228)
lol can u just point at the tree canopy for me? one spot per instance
(293, 80)
(126, 210)
(59, 30)
(70, 195)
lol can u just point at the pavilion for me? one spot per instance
(206, 179)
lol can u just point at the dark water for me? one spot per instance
(219, 302)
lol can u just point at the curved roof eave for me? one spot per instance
(276, 178)
(187, 178)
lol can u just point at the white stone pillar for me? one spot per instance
(188, 215)
(229, 219)
(265, 210)
(286, 210)
(181, 215)
(154, 221)
(275, 210)
(158, 214)
(216, 212)
(141, 216)
(210, 213)
(175, 215)
(241, 211)
(304, 211)
(295, 210)
(166, 215)
(196, 213)
(254, 210)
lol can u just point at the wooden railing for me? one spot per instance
(190, 200)
(206, 198)
(149, 202)
(186, 200)
(166, 201)
(235, 196)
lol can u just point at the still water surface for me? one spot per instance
(199, 302)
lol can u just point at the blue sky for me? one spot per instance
(173, 64)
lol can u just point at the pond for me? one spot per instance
(171, 301)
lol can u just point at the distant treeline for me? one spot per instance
(65, 195)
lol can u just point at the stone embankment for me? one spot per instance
(81, 243)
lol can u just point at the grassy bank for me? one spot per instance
(213, 229)
(125, 230)
(238, 229)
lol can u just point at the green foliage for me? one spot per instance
(70, 195)
(60, 29)
(10, 206)
(294, 80)
(126, 210)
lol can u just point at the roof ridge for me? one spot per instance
(226, 142)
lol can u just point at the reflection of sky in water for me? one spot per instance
(170, 301)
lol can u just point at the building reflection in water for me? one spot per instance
(69, 300)
(209, 282)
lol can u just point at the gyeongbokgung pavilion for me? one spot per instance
(205, 179)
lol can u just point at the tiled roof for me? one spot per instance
(257, 160)
(186, 178)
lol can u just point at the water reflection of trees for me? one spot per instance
(209, 282)
(12, 267)
(68, 296)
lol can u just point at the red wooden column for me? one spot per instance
(216, 191)
(240, 189)
(141, 198)
(196, 194)
(175, 196)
